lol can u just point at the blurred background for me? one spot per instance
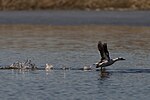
(74, 4)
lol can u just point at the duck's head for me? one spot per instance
(120, 58)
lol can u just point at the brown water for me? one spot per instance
(75, 46)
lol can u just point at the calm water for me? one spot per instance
(76, 17)
(75, 47)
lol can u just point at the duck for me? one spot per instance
(105, 58)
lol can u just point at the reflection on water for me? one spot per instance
(104, 74)
(74, 37)
(74, 47)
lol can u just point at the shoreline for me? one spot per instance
(74, 4)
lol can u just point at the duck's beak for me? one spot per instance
(121, 58)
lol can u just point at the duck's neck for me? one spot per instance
(116, 59)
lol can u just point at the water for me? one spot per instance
(75, 47)
(76, 17)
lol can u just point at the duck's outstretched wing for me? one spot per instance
(106, 51)
(101, 50)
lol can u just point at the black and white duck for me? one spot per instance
(105, 58)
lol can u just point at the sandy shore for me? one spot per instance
(74, 4)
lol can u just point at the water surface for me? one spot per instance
(76, 17)
(75, 47)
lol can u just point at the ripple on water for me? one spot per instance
(75, 47)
